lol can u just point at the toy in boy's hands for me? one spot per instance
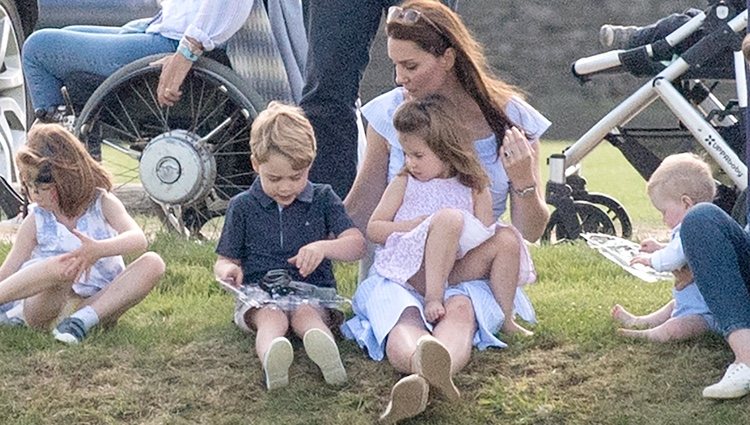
(308, 258)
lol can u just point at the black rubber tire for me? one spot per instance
(591, 218)
(124, 111)
(616, 212)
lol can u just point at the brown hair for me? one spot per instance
(283, 129)
(682, 174)
(746, 47)
(487, 90)
(428, 119)
(53, 155)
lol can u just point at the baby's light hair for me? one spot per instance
(283, 129)
(682, 174)
(429, 119)
(53, 155)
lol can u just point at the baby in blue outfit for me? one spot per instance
(681, 181)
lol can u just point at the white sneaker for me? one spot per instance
(322, 350)
(734, 384)
(276, 363)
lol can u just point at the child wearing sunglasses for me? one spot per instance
(67, 255)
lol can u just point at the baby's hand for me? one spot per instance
(641, 259)
(682, 277)
(232, 274)
(416, 221)
(434, 311)
(308, 258)
(651, 245)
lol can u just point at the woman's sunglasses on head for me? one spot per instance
(399, 15)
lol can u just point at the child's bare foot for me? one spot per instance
(434, 311)
(510, 327)
(624, 317)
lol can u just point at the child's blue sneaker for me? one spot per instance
(70, 331)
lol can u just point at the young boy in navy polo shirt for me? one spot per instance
(285, 222)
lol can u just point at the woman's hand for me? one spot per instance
(516, 156)
(174, 69)
(309, 257)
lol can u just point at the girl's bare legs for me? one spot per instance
(129, 288)
(499, 259)
(311, 324)
(439, 257)
(656, 318)
(674, 329)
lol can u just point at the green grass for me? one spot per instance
(177, 359)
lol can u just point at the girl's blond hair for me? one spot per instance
(283, 129)
(488, 91)
(428, 119)
(53, 155)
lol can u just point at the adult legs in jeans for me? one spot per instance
(51, 55)
(718, 251)
(340, 33)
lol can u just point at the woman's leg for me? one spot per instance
(402, 340)
(498, 258)
(51, 55)
(439, 257)
(456, 331)
(718, 252)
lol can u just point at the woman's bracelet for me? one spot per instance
(522, 193)
(189, 50)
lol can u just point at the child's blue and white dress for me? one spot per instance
(379, 302)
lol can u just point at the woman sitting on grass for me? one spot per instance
(68, 250)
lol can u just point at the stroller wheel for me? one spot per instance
(614, 210)
(590, 218)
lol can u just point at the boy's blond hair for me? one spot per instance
(283, 129)
(683, 174)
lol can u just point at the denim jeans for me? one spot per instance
(51, 56)
(340, 33)
(718, 252)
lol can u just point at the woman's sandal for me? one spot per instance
(408, 398)
(433, 362)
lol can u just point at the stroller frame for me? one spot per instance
(576, 209)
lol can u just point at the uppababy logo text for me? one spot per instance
(719, 149)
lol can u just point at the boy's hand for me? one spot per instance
(230, 273)
(308, 258)
(651, 245)
(641, 259)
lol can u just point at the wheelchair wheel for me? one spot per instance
(589, 216)
(189, 159)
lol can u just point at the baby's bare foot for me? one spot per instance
(510, 327)
(624, 317)
(434, 311)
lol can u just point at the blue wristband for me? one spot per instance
(184, 51)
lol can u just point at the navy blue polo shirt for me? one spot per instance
(263, 236)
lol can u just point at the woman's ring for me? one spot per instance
(507, 154)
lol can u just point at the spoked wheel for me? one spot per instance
(589, 216)
(189, 159)
(615, 211)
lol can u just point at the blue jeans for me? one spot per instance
(51, 56)
(718, 252)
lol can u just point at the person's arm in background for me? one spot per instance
(370, 182)
(215, 23)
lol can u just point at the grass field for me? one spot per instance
(177, 359)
